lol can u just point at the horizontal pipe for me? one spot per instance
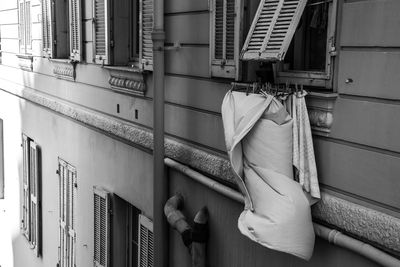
(332, 236)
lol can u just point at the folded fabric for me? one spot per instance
(258, 136)
(303, 150)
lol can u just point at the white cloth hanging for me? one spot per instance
(303, 149)
(258, 135)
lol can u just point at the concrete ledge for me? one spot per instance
(368, 224)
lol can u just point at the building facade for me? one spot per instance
(76, 110)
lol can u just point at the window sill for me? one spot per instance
(128, 80)
(64, 69)
(25, 62)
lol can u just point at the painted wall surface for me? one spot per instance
(99, 160)
(358, 159)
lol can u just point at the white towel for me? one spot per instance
(303, 150)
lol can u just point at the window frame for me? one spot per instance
(322, 79)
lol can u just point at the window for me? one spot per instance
(67, 206)
(55, 29)
(31, 181)
(116, 240)
(25, 26)
(112, 21)
(298, 36)
(226, 19)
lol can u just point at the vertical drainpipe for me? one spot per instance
(160, 187)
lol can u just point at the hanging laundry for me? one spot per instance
(303, 149)
(258, 135)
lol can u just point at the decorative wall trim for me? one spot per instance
(369, 224)
(127, 80)
(25, 62)
(366, 223)
(64, 69)
(320, 111)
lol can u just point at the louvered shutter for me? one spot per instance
(272, 29)
(71, 238)
(28, 27)
(47, 35)
(146, 242)
(34, 173)
(101, 31)
(75, 30)
(63, 200)
(25, 183)
(101, 228)
(21, 15)
(146, 28)
(225, 38)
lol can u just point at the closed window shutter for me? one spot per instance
(71, 239)
(63, 248)
(47, 36)
(225, 37)
(67, 204)
(34, 174)
(21, 14)
(146, 28)
(146, 242)
(25, 181)
(101, 31)
(101, 228)
(75, 30)
(272, 29)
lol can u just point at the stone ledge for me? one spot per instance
(366, 223)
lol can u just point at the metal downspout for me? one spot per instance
(160, 186)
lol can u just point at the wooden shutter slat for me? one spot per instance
(25, 182)
(28, 26)
(225, 38)
(146, 242)
(101, 227)
(34, 172)
(146, 28)
(47, 34)
(101, 28)
(272, 29)
(75, 30)
(21, 13)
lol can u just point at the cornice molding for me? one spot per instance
(25, 62)
(64, 70)
(127, 80)
(320, 111)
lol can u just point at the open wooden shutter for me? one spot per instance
(25, 183)
(146, 242)
(47, 35)
(101, 228)
(71, 239)
(272, 29)
(34, 173)
(146, 28)
(75, 30)
(101, 31)
(21, 15)
(225, 38)
(28, 27)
